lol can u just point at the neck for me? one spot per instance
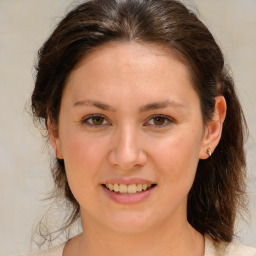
(173, 239)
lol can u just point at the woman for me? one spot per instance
(147, 129)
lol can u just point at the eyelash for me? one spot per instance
(85, 120)
(167, 120)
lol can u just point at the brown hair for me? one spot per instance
(219, 187)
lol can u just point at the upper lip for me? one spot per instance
(128, 181)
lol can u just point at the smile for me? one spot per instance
(128, 189)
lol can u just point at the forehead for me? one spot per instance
(129, 69)
(130, 51)
(120, 55)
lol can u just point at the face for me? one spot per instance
(131, 135)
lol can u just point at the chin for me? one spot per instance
(130, 223)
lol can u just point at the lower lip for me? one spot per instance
(129, 198)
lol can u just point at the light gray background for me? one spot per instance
(24, 163)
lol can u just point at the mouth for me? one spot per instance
(130, 189)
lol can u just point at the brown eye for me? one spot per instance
(97, 120)
(159, 120)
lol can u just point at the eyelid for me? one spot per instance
(86, 118)
(168, 118)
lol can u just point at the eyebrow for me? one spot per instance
(94, 103)
(150, 106)
(161, 104)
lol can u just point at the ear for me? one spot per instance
(54, 139)
(213, 128)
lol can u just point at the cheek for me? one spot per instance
(83, 156)
(80, 153)
(177, 156)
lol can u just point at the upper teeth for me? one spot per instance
(131, 189)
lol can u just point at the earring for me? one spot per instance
(60, 158)
(56, 151)
(209, 152)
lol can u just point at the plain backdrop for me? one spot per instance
(24, 161)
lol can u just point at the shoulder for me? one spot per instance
(213, 248)
(235, 249)
(54, 251)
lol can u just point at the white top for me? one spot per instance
(211, 249)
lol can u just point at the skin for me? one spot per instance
(127, 142)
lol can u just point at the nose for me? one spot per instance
(127, 149)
